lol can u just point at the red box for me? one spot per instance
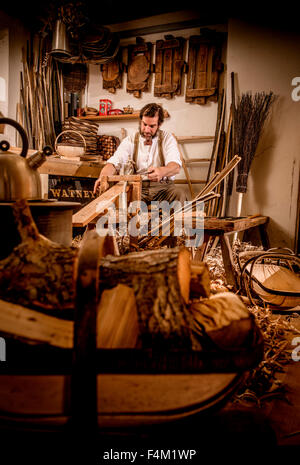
(105, 106)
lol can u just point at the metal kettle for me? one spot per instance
(19, 178)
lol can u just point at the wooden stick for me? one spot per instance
(228, 168)
(217, 141)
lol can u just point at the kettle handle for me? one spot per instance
(21, 131)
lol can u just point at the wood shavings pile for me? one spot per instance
(215, 262)
(263, 382)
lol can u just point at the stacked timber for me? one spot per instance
(151, 299)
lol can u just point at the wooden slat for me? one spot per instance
(185, 170)
(89, 212)
(182, 139)
(197, 160)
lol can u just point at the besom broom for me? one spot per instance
(250, 116)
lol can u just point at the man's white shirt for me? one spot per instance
(147, 155)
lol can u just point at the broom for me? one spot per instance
(250, 116)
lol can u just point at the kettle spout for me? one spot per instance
(37, 159)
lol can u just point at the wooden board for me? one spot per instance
(91, 210)
(238, 224)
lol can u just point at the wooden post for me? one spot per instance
(84, 371)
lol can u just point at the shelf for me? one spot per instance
(127, 117)
(124, 116)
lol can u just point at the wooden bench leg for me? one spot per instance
(228, 262)
(264, 236)
(201, 251)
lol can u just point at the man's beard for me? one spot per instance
(147, 136)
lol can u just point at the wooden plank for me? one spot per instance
(22, 322)
(60, 167)
(230, 225)
(201, 92)
(89, 212)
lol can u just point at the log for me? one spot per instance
(38, 273)
(227, 322)
(117, 320)
(200, 280)
(160, 280)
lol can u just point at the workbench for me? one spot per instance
(62, 167)
(223, 228)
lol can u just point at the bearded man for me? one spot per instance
(154, 154)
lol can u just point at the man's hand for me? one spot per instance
(155, 174)
(108, 170)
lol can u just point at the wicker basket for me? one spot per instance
(68, 149)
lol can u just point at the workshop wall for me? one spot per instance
(13, 37)
(266, 59)
(185, 118)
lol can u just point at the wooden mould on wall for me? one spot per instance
(169, 64)
(112, 74)
(139, 67)
(204, 68)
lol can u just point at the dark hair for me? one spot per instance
(151, 109)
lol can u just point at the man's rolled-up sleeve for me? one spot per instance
(171, 150)
(122, 154)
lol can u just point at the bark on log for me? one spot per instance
(38, 273)
(160, 280)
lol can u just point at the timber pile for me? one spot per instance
(151, 299)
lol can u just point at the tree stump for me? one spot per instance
(160, 280)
